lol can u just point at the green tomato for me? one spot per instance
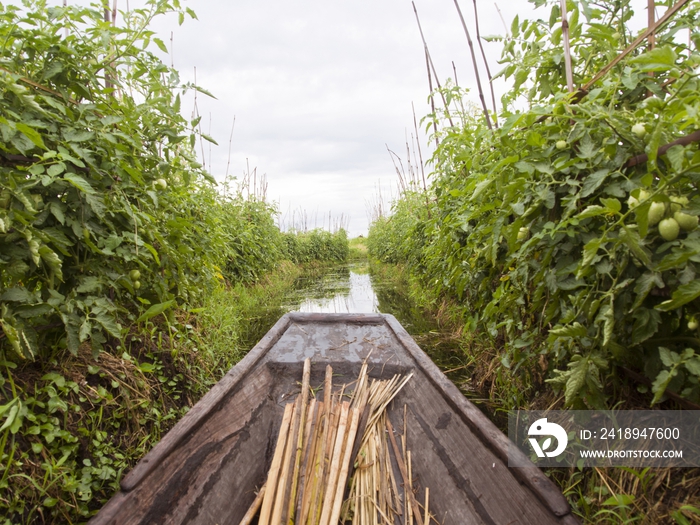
(523, 233)
(137, 285)
(686, 222)
(639, 129)
(562, 144)
(693, 324)
(632, 202)
(162, 184)
(669, 229)
(616, 36)
(134, 275)
(657, 210)
(643, 195)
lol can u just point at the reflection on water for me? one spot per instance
(353, 289)
(347, 290)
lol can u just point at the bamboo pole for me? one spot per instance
(311, 464)
(567, 47)
(651, 16)
(426, 520)
(300, 439)
(254, 507)
(405, 474)
(345, 466)
(476, 68)
(273, 475)
(335, 465)
(432, 66)
(486, 63)
(665, 18)
(283, 481)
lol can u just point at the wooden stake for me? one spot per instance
(283, 481)
(567, 46)
(476, 68)
(335, 465)
(273, 475)
(426, 520)
(405, 474)
(345, 465)
(253, 509)
(665, 18)
(300, 439)
(486, 63)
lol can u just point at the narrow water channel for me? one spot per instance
(353, 288)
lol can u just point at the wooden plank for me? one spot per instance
(209, 468)
(301, 317)
(481, 426)
(203, 408)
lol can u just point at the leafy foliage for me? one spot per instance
(543, 227)
(316, 245)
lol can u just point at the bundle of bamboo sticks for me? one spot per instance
(318, 443)
(374, 494)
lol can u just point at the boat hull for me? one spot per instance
(207, 468)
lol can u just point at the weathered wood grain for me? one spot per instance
(207, 469)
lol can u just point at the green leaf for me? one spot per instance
(52, 260)
(682, 295)
(56, 169)
(668, 358)
(154, 310)
(644, 285)
(31, 134)
(693, 366)
(613, 205)
(590, 250)
(592, 211)
(204, 91)
(661, 58)
(109, 324)
(20, 295)
(660, 384)
(79, 182)
(160, 45)
(593, 181)
(633, 242)
(675, 260)
(574, 330)
(209, 139)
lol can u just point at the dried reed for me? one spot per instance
(315, 452)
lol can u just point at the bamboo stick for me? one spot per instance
(273, 475)
(309, 443)
(405, 474)
(300, 439)
(345, 466)
(476, 68)
(567, 46)
(320, 468)
(335, 465)
(665, 18)
(254, 507)
(309, 460)
(283, 482)
(431, 66)
(426, 520)
(486, 63)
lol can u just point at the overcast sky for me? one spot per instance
(319, 87)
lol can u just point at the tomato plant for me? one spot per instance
(557, 230)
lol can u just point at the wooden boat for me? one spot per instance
(207, 468)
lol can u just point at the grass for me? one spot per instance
(358, 249)
(85, 421)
